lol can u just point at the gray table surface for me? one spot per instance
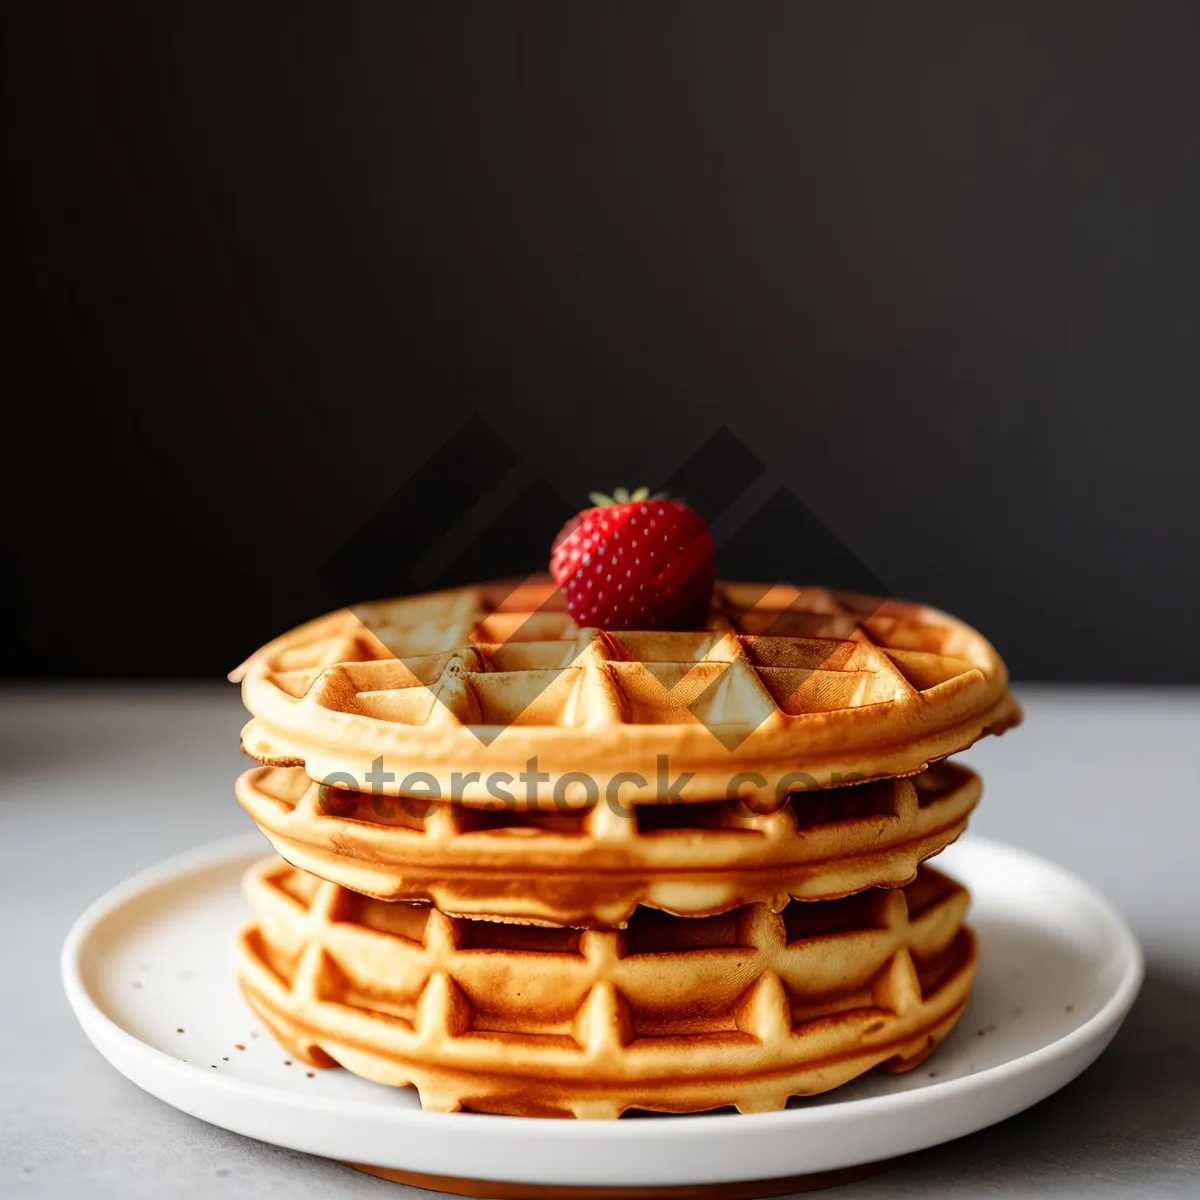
(97, 782)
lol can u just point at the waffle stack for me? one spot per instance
(538, 869)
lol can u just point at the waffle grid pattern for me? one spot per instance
(790, 679)
(591, 868)
(747, 1008)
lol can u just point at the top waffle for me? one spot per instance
(491, 695)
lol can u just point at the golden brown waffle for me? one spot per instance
(675, 1015)
(591, 869)
(456, 692)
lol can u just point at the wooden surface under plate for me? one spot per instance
(754, 1190)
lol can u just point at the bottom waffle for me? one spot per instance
(747, 1009)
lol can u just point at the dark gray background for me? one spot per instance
(935, 265)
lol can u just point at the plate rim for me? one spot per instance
(98, 1026)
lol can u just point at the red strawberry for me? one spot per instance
(635, 562)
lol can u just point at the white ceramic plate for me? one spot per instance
(149, 972)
